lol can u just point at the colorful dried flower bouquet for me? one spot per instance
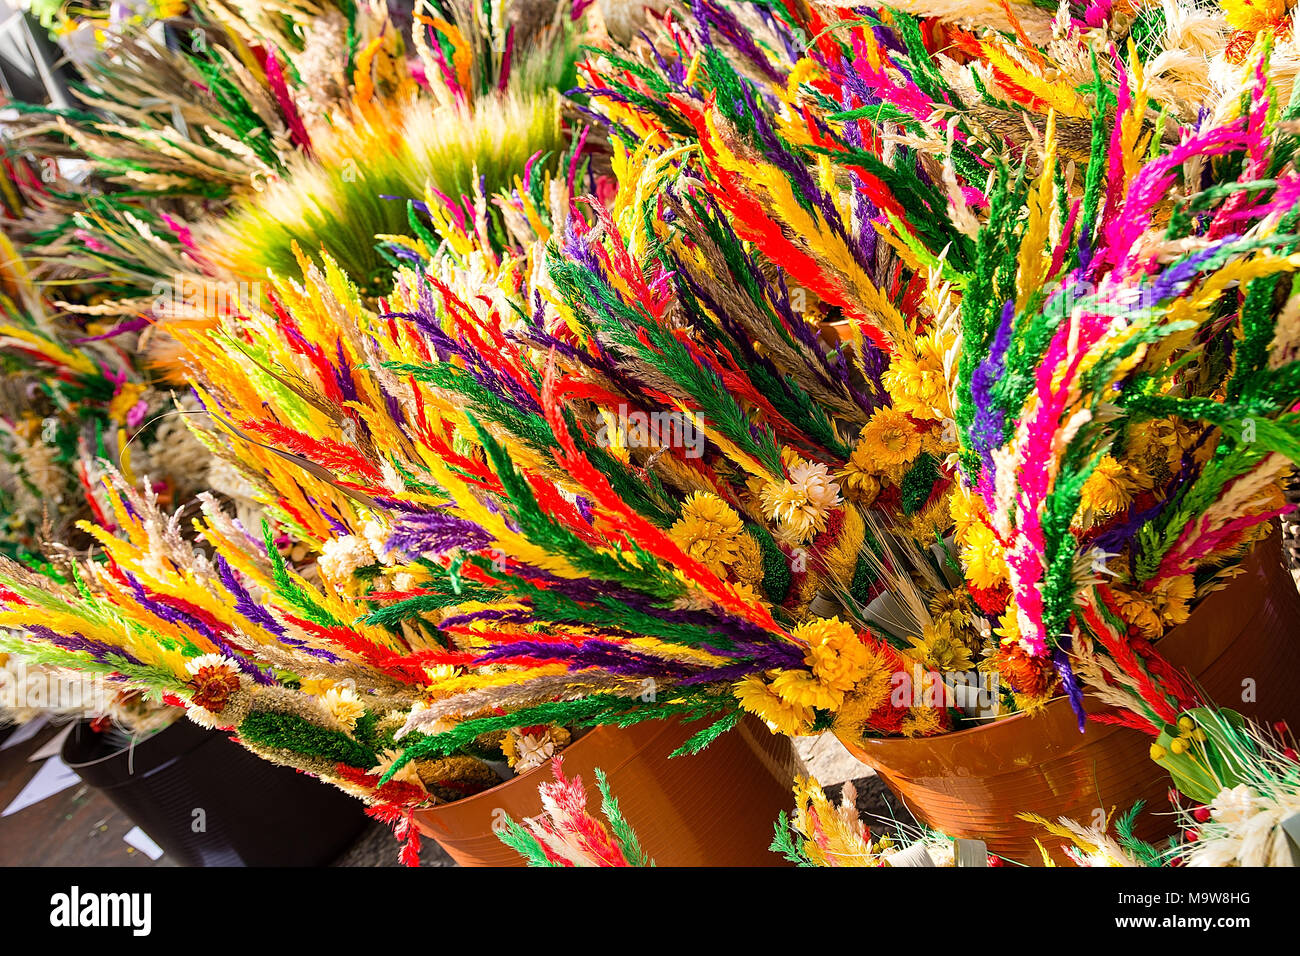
(890, 351)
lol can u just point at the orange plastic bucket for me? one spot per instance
(716, 808)
(1243, 641)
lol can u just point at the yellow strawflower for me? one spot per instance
(966, 510)
(710, 531)
(860, 484)
(952, 610)
(916, 380)
(938, 648)
(1109, 489)
(761, 700)
(887, 444)
(802, 689)
(983, 558)
(1008, 629)
(1165, 605)
(837, 656)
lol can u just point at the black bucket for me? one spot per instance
(209, 802)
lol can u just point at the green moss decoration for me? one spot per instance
(291, 732)
(776, 567)
(918, 483)
(864, 577)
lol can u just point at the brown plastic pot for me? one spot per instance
(715, 808)
(1243, 641)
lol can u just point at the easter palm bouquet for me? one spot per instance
(318, 126)
(1133, 480)
(286, 633)
(148, 240)
(476, 97)
(900, 350)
